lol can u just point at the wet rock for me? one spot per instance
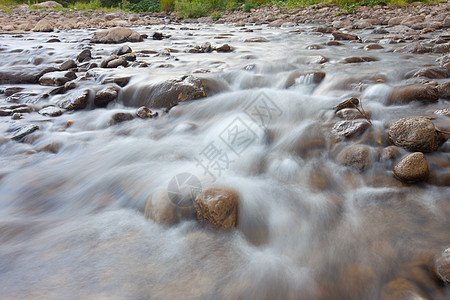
(120, 117)
(122, 50)
(413, 92)
(316, 59)
(333, 43)
(116, 35)
(276, 23)
(442, 266)
(324, 29)
(443, 112)
(356, 59)
(441, 48)
(431, 73)
(160, 209)
(84, 56)
(224, 48)
(217, 206)
(25, 97)
(54, 40)
(359, 280)
(119, 80)
(24, 131)
(51, 111)
(390, 153)
(351, 114)
(444, 61)
(412, 168)
(357, 157)
(206, 47)
(43, 26)
(129, 57)
(47, 5)
(307, 78)
(401, 289)
(58, 78)
(414, 134)
(256, 40)
(144, 112)
(75, 100)
(373, 47)
(5, 112)
(67, 65)
(444, 90)
(157, 36)
(349, 129)
(17, 116)
(12, 90)
(340, 36)
(117, 62)
(416, 47)
(106, 95)
(23, 74)
(348, 103)
(170, 92)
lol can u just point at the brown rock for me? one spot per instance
(415, 47)
(349, 128)
(442, 266)
(120, 117)
(161, 210)
(349, 103)
(357, 157)
(217, 206)
(68, 64)
(431, 73)
(390, 153)
(413, 92)
(414, 134)
(351, 114)
(401, 289)
(106, 95)
(51, 111)
(224, 48)
(412, 168)
(359, 280)
(444, 90)
(338, 36)
(373, 47)
(120, 61)
(116, 35)
(75, 100)
(357, 59)
(43, 26)
(24, 131)
(58, 78)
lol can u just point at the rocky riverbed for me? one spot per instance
(266, 155)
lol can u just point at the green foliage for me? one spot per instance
(145, 6)
(167, 5)
(191, 9)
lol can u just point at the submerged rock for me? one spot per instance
(413, 92)
(414, 134)
(116, 35)
(51, 111)
(357, 157)
(57, 78)
(162, 210)
(217, 206)
(120, 117)
(401, 289)
(412, 168)
(106, 95)
(442, 266)
(24, 131)
(349, 128)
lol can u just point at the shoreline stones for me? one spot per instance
(217, 206)
(412, 168)
(442, 266)
(116, 35)
(414, 134)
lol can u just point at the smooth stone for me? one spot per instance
(349, 128)
(414, 134)
(116, 35)
(412, 168)
(75, 100)
(413, 92)
(106, 95)
(357, 157)
(24, 131)
(51, 111)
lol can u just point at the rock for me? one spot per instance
(161, 210)
(431, 73)
(357, 157)
(51, 111)
(116, 35)
(256, 40)
(390, 153)
(47, 5)
(54, 40)
(12, 90)
(84, 55)
(373, 47)
(75, 100)
(443, 112)
(117, 62)
(157, 36)
(58, 78)
(413, 92)
(441, 48)
(122, 50)
(145, 113)
(316, 59)
(43, 26)
(350, 114)
(120, 117)
(339, 36)
(442, 266)
(106, 95)
(307, 78)
(356, 59)
(349, 128)
(168, 93)
(119, 80)
(217, 206)
(349, 103)
(444, 61)
(401, 289)
(414, 134)
(359, 280)
(224, 48)
(206, 47)
(67, 65)
(444, 90)
(276, 23)
(24, 131)
(5, 112)
(129, 57)
(23, 74)
(415, 47)
(412, 168)
(16, 116)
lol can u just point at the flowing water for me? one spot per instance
(72, 198)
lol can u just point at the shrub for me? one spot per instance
(191, 9)
(145, 6)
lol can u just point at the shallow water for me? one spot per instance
(72, 198)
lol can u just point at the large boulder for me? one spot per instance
(217, 206)
(414, 134)
(412, 168)
(165, 94)
(43, 26)
(413, 92)
(57, 78)
(23, 74)
(116, 35)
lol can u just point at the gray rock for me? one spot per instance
(122, 50)
(24, 131)
(106, 95)
(57, 78)
(412, 168)
(444, 90)
(143, 112)
(224, 48)
(84, 55)
(357, 157)
(117, 62)
(12, 90)
(431, 73)
(75, 100)
(116, 35)
(414, 134)
(51, 111)
(340, 36)
(349, 128)
(415, 47)
(68, 64)
(120, 117)
(43, 26)
(23, 74)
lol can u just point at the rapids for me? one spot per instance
(72, 197)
